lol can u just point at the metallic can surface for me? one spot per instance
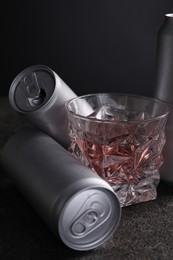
(39, 94)
(77, 205)
(164, 90)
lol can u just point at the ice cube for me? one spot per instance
(108, 113)
(135, 115)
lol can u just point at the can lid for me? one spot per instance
(32, 88)
(89, 218)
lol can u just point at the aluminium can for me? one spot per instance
(77, 205)
(39, 94)
(164, 90)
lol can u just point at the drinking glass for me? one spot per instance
(120, 137)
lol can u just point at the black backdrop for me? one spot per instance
(93, 45)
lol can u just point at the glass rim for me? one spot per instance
(76, 115)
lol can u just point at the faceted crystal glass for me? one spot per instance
(120, 137)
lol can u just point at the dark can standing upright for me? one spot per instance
(164, 89)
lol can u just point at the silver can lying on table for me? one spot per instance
(77, 205)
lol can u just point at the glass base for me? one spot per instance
(145, 190)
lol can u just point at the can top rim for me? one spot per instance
(15, 82)
(84, 200)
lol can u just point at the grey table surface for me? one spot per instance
(145, 230)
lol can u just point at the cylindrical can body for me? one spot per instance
(164, 90)
(39, 94)
(75, 203)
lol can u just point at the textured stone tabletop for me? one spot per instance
(145, 230)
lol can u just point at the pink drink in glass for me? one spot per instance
(121, 139)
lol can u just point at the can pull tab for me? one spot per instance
(33, 89)
(96, 214)
(85, 223)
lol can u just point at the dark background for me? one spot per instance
(93, 45)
